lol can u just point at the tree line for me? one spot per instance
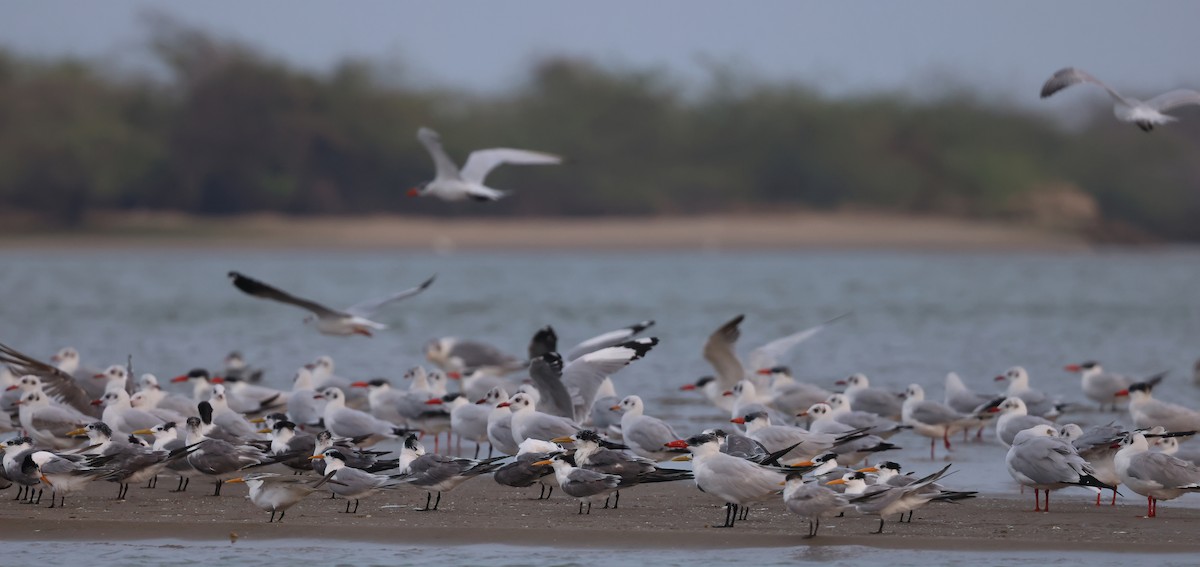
(224, 129)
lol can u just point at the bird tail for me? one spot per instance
(664, 475)
(1089, 480)
(954, 495)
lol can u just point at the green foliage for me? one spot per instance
(229, 130)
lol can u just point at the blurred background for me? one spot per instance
(663, 108)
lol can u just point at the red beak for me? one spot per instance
(414, 192)
(481, 401)
(99, 375)
(1072, 368)
(360, 385)
(994, 410)
(688, 387)
(454, 375)
(96, 402)
(433, 402)
(677, 444)
(217, 380)
(1122, 393)
(180, 378)
(727, 393)
(503, 404)
(11, 388)
(738, 420)
(840, 383)
(319, 397)
(764, 371)
(999, 378)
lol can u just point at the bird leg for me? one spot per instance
(1047, 501)
(428, 498)
(1114, 498)
(217, 492)
(355, 505)
(1037, 503)
(272, 517)
(880, 530)
(946, 437)
(52, 499)
(932, 444)
(589, 512)
(745, 512)
(477, 452)
(438, 501)
(606, 502)
(616, 499)
(281, 513)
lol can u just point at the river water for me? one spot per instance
(915, 317)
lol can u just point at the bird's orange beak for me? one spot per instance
(738, 420)
(414, 192)
(616, 408)
(763, 371)
(804, 464)
(503, 405)
(433, 402)
(869, 469)
(316, 457)
(1122, 393)
(181, 378)
(836, 481)
(727, 393)
(1072, 368)
(687, 387)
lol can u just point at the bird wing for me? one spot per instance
(481, 162)
(583, 376)
(256, 288)
(1173, 99)
(604, 340)
(650, 433)
(718, 351)
(55, 382)
(934, 413)
(1165, 470)
(367, 308)
(446, 170)
(768, 355)
(546, 372)
(1064, 78)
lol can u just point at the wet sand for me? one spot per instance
(650, 517)
(850, 230)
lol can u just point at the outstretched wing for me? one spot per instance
(256, 288)
(55, 382)
(481, 162)
(1176, 98)
(583, 376)
(768, 355)
(366, 308)
(718, 351)
(546, 372)
(608, 339)
(446, 170)
(1064, 78)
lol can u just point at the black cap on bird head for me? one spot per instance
(1140, 387)
(588, 435)
(794, 476)
(703, 381)
(453, 396)
(276, 417)
(825, 457)
(284, 424)
(755, 415)
(335, 454)
(411, 442)
(193, 422)
(324, 435)
(197, 373)
(206, 410)
(889, 465)
(101, 427)
(719, 433)
(168, 425)
(781, 370)
(700, 439)
(378, 382)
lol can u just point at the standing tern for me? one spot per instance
(350, 483)
(437, 473)
(15, 452)
(63, 473)
(884, 500)
(811, 501)
(1157, 476)
(353, 320)
(276, 493)
(585, 485)
(1039, 458)
(1146, 114)
(524, 470)
(737, 482)
(166, 438)
(591, 455)
(453, 184)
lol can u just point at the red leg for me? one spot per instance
(1114, 498)
(946, 437)
(1149, 507)
(1098, 498)
(1037, 503)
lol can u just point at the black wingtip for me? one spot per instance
(640, 346)
(642, 326)
(428, 282)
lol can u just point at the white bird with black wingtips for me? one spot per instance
(453, 184)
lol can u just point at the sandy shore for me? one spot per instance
(660, 516)
(739, 231)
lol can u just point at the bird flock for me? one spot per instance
(553, 418)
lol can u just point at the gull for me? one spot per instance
(350, 483)
(352, 456)
(453, 354)
(1146, 114)
(226, 418)
(122, 417)
(711, 388)
(569, 390)
(394, 405)
(453, 184)
(737, 482)
(1014, 418)
(805, 444)
(545, 340)
(647, 436)
(155, 397)
(841, 412)
(962, 399)
(236, 367)
(884, 500)
(469, 420)
(49, 424)
(244, 397)
(353, 320)
(201, 381)
(63, 473)
(932, 419)
(437, 473)
(303, 406)
(348, 422)
(603, 417)
(790, 396)
(632, 470)
(273, 492)
(1098, 385)
(746, 399)
(863, 397)
(1036, 402)
(499, 427)
(67, 360)
(58, 384)
(116, 377)
(585, 485)
(1157, 476)
(523, 471)
(1148, 412)
(1098, 445)
(1041, 459)
(529, 423)
(811, 501)
(719, 352)
(851, 450)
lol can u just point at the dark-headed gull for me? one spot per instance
(1146, 114)
(353, 320)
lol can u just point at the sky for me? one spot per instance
(1006, 49)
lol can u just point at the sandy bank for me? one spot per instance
(660, 516)
(779, 231)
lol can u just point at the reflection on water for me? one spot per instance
(337, 553)
(915, 316)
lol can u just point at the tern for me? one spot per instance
(350, 483)
(353, 320)
(453, 184)
(523, 472)
(884, 500)
(585, 485)
(276, 493)
(811, 501)
(633, 470)
(437, 473)
(1146, 114)
(735, 481)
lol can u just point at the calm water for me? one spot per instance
(916, 315)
